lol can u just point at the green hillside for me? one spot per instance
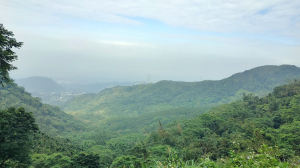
(252, 132)
(132, 101)
(147, 122)
(51, 120)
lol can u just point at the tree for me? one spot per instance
(87, 160)
(16, 130)
(126, 161)
(7, 42)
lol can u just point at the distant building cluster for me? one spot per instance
(56, 98)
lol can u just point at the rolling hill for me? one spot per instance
(132, 101)
(51, 119)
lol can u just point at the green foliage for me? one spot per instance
(121, 145)
(126, 161)
(268, 126)
(44, 144)
(88, 160)
(56, 160)
(7, 42)
(16, 131)
(173, 161)
(265, 157)
(147, 122)
(106, 155)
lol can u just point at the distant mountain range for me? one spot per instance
(146, 98)
(40, 85)
(53, 93)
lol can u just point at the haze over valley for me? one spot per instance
(53, 93)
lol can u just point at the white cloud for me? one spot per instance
(212, 15)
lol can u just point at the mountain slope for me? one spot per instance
(145, 98)
(253, 132)
(51, 120)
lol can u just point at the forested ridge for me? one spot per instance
(168, 100)
(252, 132)
(145, 98)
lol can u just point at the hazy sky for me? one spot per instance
(126, 40)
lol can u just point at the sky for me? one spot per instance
(129, 40)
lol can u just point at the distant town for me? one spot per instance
(56, 98)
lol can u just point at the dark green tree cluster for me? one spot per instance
(16, 132)
(7, 42)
